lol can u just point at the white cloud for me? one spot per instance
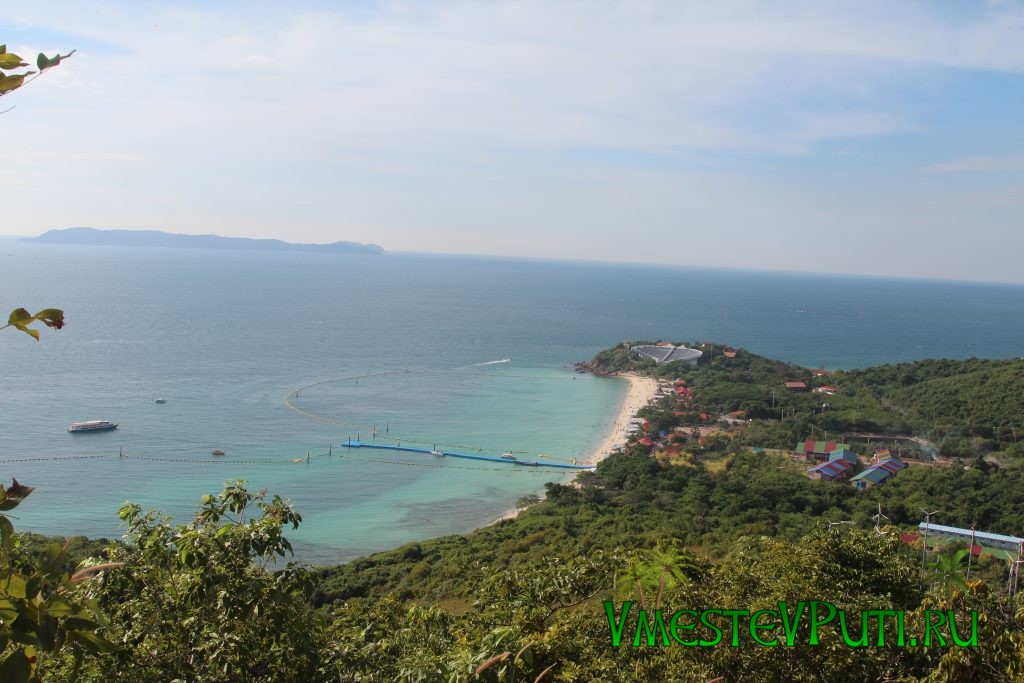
(415, 117)
(976, 164)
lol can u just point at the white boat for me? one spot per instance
(437, 453)
(508, 456)
(92, 426)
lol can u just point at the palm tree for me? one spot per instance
(946, 570)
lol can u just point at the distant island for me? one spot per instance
(157, 238)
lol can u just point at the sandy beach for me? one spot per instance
(641, 391)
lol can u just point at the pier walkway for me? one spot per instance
(486, 458)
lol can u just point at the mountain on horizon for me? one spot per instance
(158, 238)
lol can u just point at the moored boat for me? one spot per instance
(217, 451)
(507, 455)
(437, 453)
(92, 426)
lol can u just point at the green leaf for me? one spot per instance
(58, 608)
(91, 641)
(44, 62)
(15, 668)
(9, 60)
(8, 611)
(3, 49)
(6, 532)
(15, 586)
(9, 83)
(33, 586)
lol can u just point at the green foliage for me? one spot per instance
(40, 615)
(21, 319)
(946, 571)
(11, 62)
(196, 601)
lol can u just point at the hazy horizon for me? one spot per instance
(867, 139)
(583, 261)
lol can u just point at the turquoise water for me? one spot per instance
(225, 336)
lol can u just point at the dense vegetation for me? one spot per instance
(687, 516)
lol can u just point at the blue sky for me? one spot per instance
(877, 138)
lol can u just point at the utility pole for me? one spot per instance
(927, 528)
(970, 552)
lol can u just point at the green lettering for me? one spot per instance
(881, 614)
(815, 622)
(673, 626)
(650, 630)
(770, 626)
(973, 640)
(704, 621)
(616, 629)
(789, 628)
(929, 627)
(735, 614)
(850, 642)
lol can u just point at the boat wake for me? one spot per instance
(492, 362)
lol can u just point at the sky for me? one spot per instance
(880, 138)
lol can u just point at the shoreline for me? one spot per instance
(640, 392)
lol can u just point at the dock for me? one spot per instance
(486, 458)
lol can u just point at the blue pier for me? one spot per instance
(486, 458)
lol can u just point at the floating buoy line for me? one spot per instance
(375, 432)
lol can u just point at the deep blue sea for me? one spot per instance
(224, 336)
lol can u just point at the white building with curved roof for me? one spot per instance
(665, 353)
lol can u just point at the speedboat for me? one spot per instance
(92, 426)
(507, 455)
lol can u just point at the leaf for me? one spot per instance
(91, 641)
(9, 83)
(9, 60)
(15, 586)
(58, 608)
(15, 668)
(44, 62)
(51, 317)
(14, 495)
(6, 532)
(3, 49)
(21, 319)
(33, 586)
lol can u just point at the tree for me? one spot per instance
(40, 613)
(196, 601)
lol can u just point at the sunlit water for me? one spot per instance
(225, 336)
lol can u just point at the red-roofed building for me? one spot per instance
(646, 441)
(795, 386)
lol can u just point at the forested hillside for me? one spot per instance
(705, 507)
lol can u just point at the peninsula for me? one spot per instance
(157, 238)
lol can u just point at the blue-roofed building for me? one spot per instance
(830, 471)
(878, 473)
(844, 454)
(983, 538)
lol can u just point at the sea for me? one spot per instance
(458, 353)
